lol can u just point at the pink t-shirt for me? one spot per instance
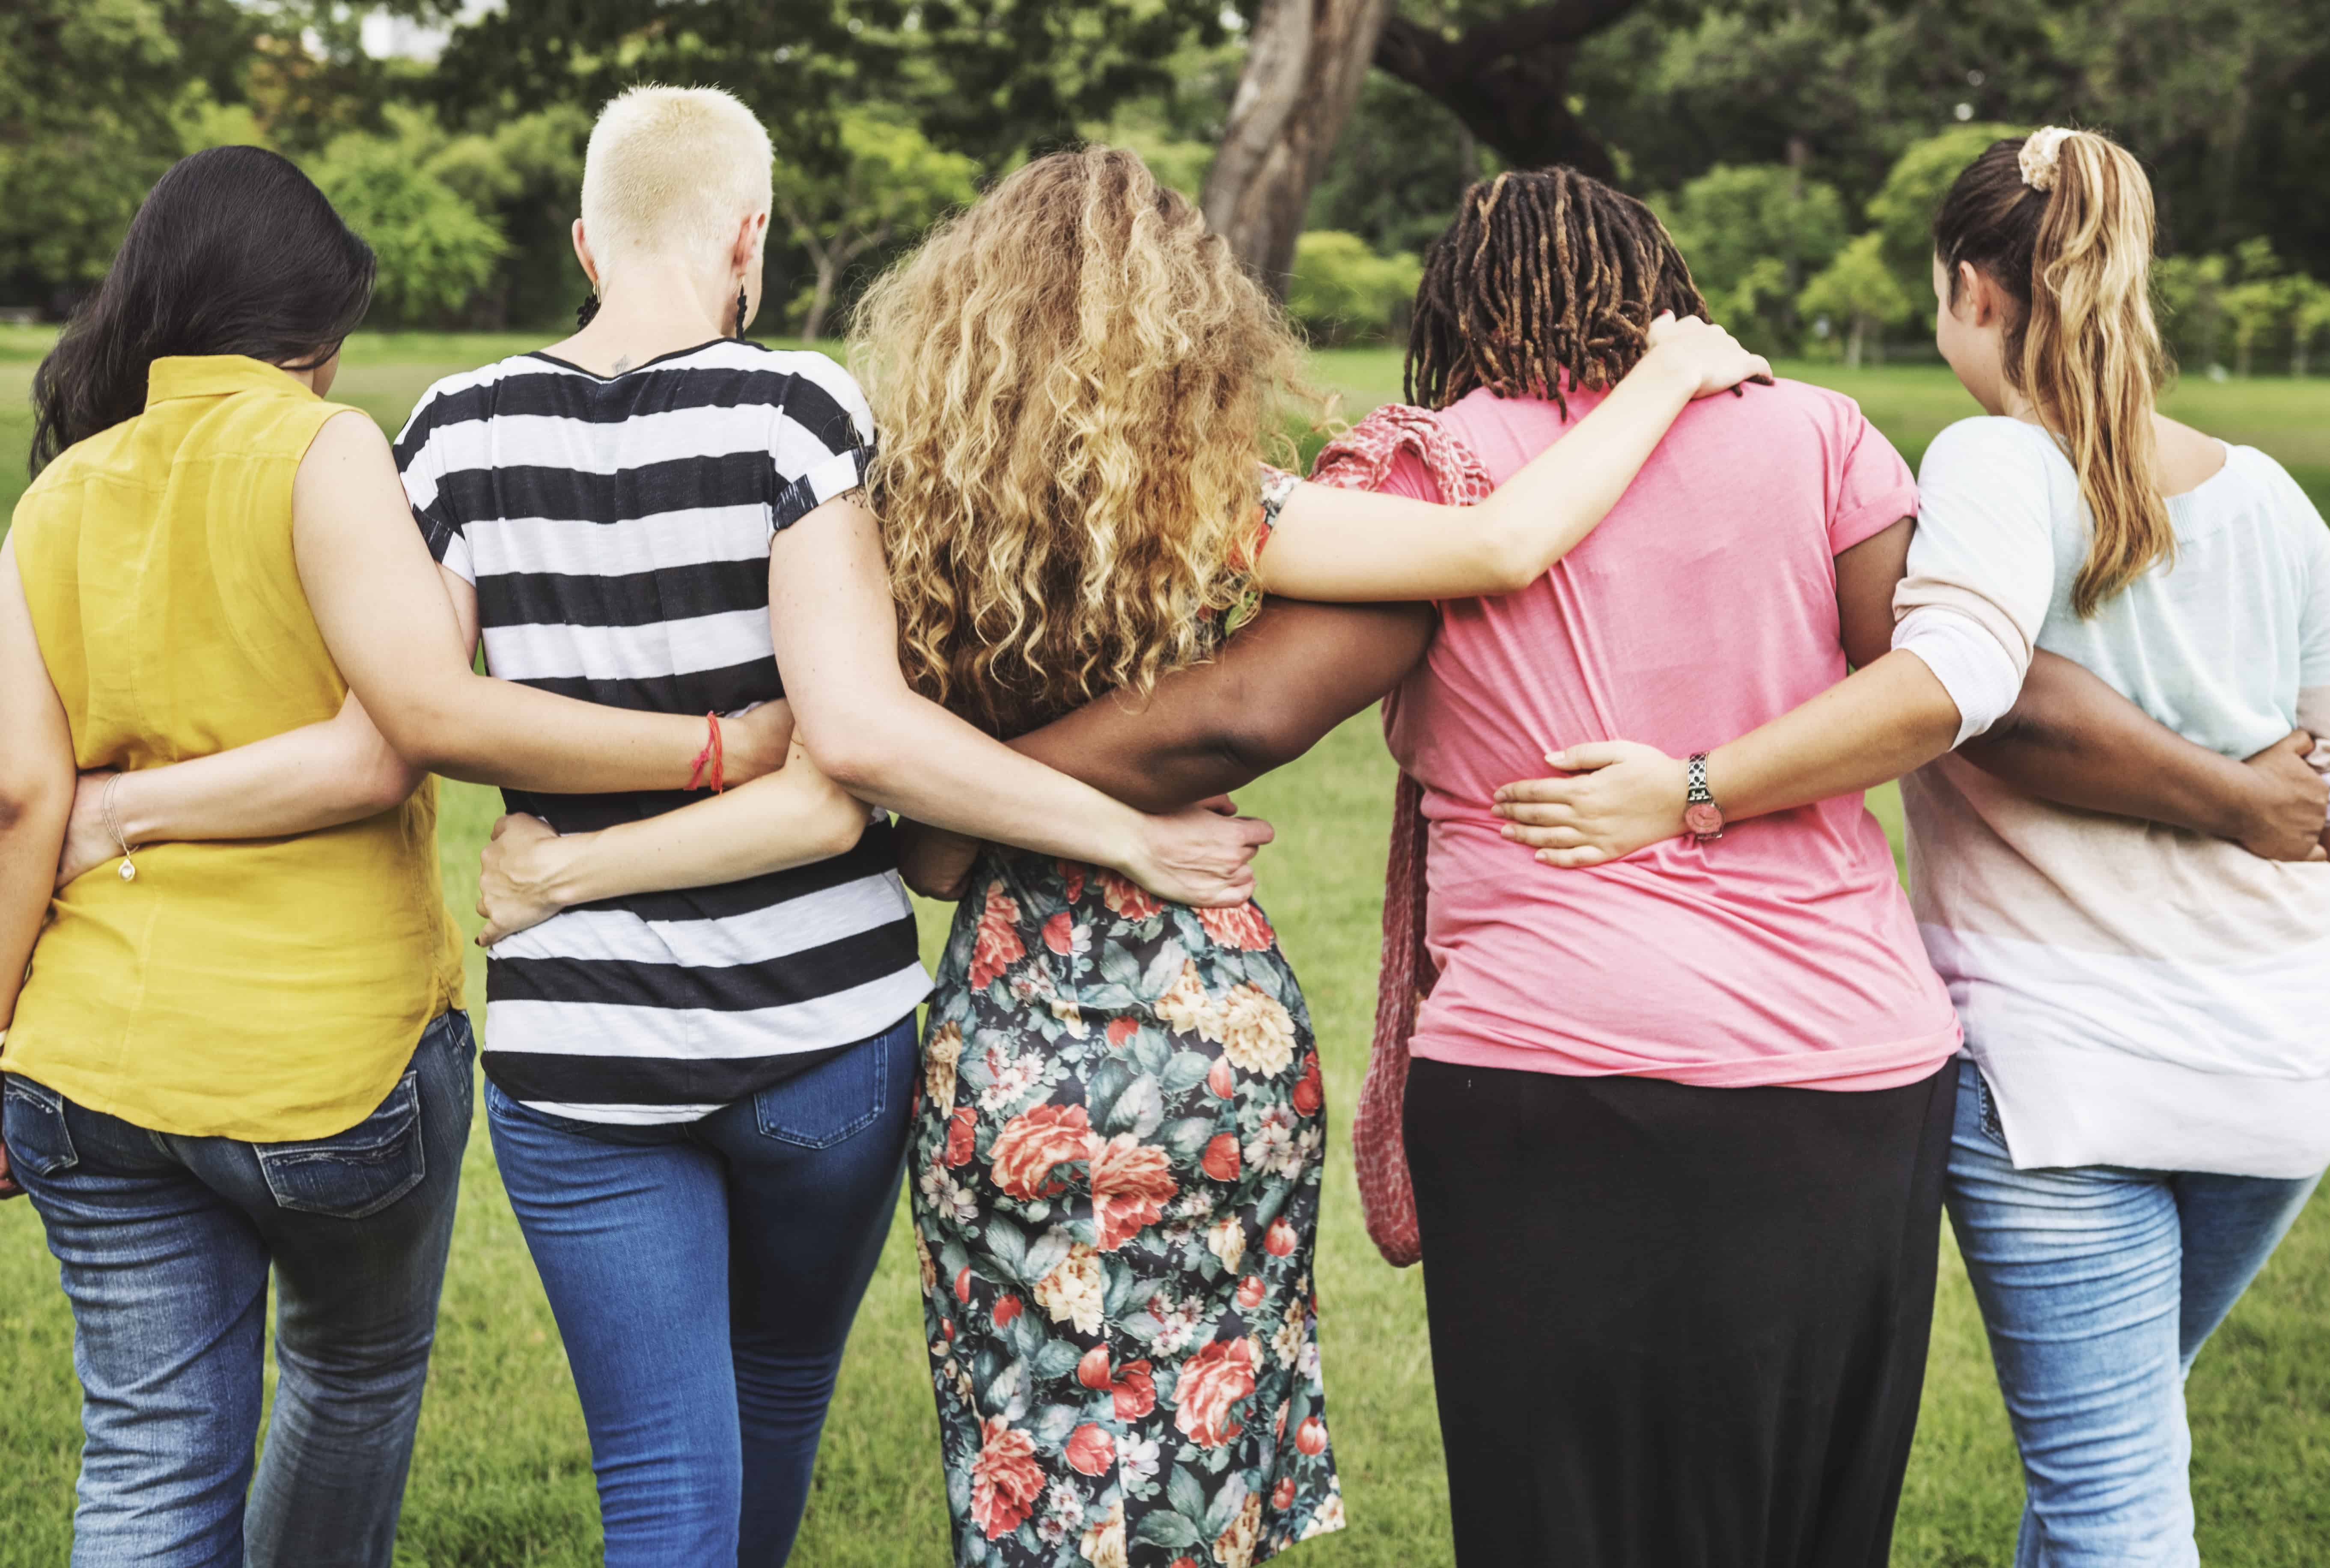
(1704, 605)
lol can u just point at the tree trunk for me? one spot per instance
(820, 301)
(2300, 350)
(1853, 339)
(1303, 71)
(1507, 79)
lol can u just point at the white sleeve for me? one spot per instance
(1979, 673)
(1982, 564)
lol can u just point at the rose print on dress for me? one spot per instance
(1117, 1170)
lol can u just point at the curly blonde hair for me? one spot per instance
(1075, 384)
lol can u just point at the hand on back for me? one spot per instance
(1199, 855)
(1617, 797)
(2289, 809)
(1705, 353)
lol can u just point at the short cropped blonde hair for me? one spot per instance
(672, 168)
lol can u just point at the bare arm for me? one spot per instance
(36, 785)
(303, 780)
(791, 817)
(1348, 544)
(2069, 739)
(1277, 687)
(836, 639)
(2073, 740)
(378, 600)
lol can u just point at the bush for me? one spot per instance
(436, 250)
(1753, 233)
(1341, 291)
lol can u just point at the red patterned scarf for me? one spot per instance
(1362, 460)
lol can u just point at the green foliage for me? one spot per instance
(86, 92)
(1396, 173)
(1341, 291)
(1752, 234)
(1859, 291)
(1901, 212)
(888, 184)
(436, 250)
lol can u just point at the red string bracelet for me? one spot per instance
(713, 753)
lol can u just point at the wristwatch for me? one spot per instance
(1702, 818)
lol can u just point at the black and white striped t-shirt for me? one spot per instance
(618, 531)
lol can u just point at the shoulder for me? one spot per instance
(817, 390)
(1988, 444)
(473, 394)
(2284, 498)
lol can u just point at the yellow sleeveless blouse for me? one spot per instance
(267, 989)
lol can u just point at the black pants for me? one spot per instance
(1673, 1326)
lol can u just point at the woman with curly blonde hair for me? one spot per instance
(1116, 1159)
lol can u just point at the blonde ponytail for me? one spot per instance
(2064, 222)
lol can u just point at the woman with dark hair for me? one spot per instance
(247, 1055)
(1677, 1123)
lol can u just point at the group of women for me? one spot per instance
(1672, 1082)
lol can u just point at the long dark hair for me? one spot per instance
(233, 251)
(2062, 221)
(1546, 276)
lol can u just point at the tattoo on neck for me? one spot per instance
(623, 363)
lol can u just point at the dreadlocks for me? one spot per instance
(1545, 277)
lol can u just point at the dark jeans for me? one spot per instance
(704, 1275)
(164, 1245)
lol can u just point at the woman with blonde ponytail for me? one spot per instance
(2133, 924)
(2145, 1005)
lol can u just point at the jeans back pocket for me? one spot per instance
(355, 1173)
(32, 1124)
(831, 1101)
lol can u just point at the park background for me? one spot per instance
(1796, 146)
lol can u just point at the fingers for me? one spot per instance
(501, 825)
(1573, 859)
(1547, 838)
(1537, 814)
(1220, 806)
(1587, 758)
(1254, 832)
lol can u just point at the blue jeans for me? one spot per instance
(165, 1244)
(704, 1276)
(2098, 1285)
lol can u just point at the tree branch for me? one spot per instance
(1425, 59)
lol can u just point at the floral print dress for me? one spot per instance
(1116, 1176)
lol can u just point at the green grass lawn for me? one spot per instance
(501, 1477)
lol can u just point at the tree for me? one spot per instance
(1902, 211)
(2309, 319)
(891, 185)
(436, 250)
(1505, 72)
(1752, 234)
(1860, 289)
(2191, 290)
(1306, 61)
(88, 88)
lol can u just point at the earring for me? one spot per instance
(740, 308)
(586, 311)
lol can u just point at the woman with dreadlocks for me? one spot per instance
(1677, 1124)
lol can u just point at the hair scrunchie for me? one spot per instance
(2041, 151)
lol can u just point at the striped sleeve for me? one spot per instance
(421, 464)
(820, 439)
